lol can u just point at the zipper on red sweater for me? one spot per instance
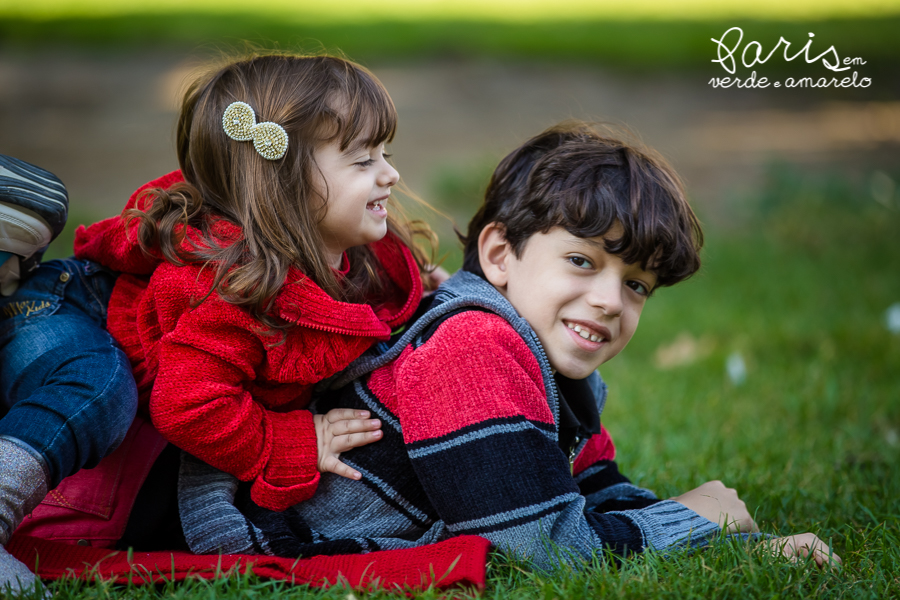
(573, 454)
(577, 446)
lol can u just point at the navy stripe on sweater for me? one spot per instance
(476, 431)
(508, 445)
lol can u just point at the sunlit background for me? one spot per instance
(89, 88)
(777, 368)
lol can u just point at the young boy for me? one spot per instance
(490, 401)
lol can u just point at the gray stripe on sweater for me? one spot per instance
(592, 470)
(392, 493)
(619, 491)
(670, 524)
(477, 435)
(375, 406)
(512, 515)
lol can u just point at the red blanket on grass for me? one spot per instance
(459, 561)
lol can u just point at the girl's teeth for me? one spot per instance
(577, 329)
(584, 333)
(595, 338)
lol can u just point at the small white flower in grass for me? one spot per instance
(736, 368)
(883, 188)
(891, 437)
(892, 318)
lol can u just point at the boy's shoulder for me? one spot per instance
(468, 324)
(472, 331)
(474, 370)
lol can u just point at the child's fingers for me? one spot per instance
(820, 554)
(800, 546)
(342, 414)
(823, 555)
(351, 426)
(342, 443)
(333, 465)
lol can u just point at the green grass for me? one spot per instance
(810, 439)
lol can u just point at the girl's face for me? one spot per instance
(356, 184)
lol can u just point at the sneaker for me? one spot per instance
(34, 206)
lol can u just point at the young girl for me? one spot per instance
(266, 264)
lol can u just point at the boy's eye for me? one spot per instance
(639, 287)
(580, 262)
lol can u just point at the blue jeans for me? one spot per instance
(66, 388)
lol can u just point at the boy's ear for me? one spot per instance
(494, 254)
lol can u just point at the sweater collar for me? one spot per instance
(303, 302)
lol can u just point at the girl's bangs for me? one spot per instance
(369, 117)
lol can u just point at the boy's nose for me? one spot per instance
(606, 294)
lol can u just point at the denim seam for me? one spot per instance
(88, 281)
(88, 403)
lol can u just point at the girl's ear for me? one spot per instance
(494, 254)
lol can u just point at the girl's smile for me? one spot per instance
(356, 184)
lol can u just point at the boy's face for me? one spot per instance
(583, 303)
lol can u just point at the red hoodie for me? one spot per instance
(213, 383)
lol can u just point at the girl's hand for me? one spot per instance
(342, 429)
(721, 505)
(795, 547)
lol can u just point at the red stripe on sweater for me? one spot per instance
(438, 398)
(599, 447)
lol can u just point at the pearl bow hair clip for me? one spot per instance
(269, 139)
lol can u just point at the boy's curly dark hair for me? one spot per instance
(585, 180)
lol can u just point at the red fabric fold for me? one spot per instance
(459, 561)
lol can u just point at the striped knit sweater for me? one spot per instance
(470, 413)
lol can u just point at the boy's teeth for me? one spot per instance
(585, 333)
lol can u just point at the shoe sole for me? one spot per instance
(34, 189)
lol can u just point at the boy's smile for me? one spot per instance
(583, 303)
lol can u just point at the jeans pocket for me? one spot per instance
(40, 295)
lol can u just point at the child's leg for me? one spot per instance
(65, 386)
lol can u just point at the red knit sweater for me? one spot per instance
(213, 384)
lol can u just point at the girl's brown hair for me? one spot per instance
(317, 99)
(585, 179)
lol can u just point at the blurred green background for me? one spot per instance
(89, 88)
(776, 369)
